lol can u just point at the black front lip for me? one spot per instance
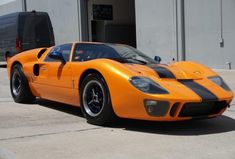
(202, 109)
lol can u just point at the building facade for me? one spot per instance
(196, 30)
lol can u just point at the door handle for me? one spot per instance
(44, 68)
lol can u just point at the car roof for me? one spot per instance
(97, 43)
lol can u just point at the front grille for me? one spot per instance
(202, 109)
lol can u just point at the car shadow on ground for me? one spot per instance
(217, 125)
(60, 107)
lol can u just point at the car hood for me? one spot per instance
(178, 70)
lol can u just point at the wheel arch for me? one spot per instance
(86, 73)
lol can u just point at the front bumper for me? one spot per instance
(185, 110)
(182, 103)
(168, 109)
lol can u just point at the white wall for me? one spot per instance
(203, 32)
(11, 6)
(228, 52)
(202, 23)
(64, 17)
(155, 28)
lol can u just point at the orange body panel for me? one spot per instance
(59, 82)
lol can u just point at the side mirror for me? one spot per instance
(158, 59)
(57, 56)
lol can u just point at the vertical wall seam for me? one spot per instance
(79, 19)
(221, 24)
(24, 5)
(177, 31)
(183, 43)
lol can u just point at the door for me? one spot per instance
(54, 81)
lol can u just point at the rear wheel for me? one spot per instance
(20, 90)
(95, 100)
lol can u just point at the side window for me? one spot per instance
(65, 49)
(79, 53)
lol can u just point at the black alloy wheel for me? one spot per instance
(95, 100)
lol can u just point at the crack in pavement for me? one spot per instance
(52, 133)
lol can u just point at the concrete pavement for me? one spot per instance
(48, 130)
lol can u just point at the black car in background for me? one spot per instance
(23, 31)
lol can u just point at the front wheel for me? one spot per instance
(95, 100)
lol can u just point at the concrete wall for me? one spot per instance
(207, 24)
(205, 30)
(155, 28)
(64, 17)
(228, 33)
(202, 30)
(11, 6)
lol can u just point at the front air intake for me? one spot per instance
(202, 109)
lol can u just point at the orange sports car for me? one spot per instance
(112, 80)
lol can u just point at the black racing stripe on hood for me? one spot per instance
(203, 92)
(162, 72)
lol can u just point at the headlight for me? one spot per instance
(147, 85)
(219, 81)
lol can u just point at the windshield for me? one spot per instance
(121, 53)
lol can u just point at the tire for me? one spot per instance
(95, 101)
(20, 90)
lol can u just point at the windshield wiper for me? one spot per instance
(129, 60)
(122, 60)
(139, 61)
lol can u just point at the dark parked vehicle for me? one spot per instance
(23, 31)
